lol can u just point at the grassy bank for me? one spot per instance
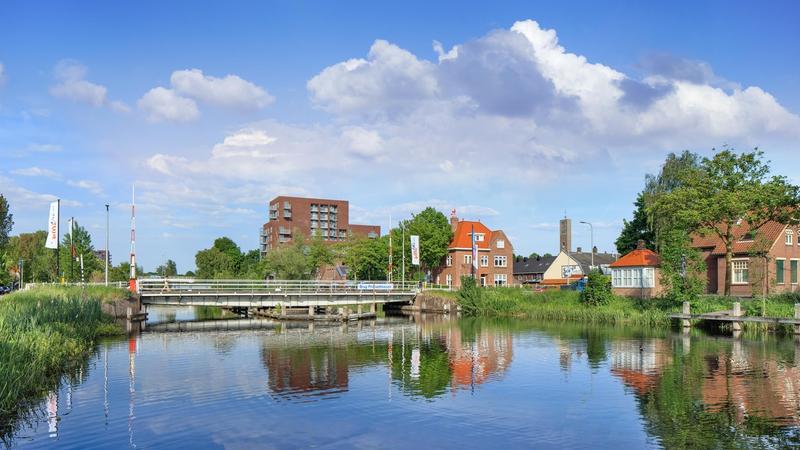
(555, 305)
(44, 333)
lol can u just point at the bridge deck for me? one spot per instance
(271, 293)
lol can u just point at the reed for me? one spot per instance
(44, 333)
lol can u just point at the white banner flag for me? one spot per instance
(414, 250)
(52, 227)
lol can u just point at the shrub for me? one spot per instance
(470, 296)
(597, 290)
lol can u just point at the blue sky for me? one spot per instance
(511, 113)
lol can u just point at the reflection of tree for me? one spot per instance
(431, 378)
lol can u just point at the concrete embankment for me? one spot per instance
(431, 303)
(123, 307)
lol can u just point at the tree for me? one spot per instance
(168, 269)
(289, 262)
(222, 260)
(597, 290)
(367, 258)
(319, 254)
(671, 176)
(39, 262)
(122, 272)
(681, 285)
(724, 190)
(637, 229)
(6, 222)
(70, 262)
(534, 255)
(434, 233)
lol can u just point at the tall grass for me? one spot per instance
(45, 332)
(555, 305)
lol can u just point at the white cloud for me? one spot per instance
(22, 198)
(230, 91)
(363, 142)
(244, 143)
(164, 104)
(44, 148)
(35, 172)
(89, 185)
(73, 86)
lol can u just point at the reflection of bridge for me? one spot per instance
(272, 293)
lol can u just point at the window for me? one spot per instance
(478, 237)
(449, 260)
(793, 271)
(467, 259)
(789, 237)
(740, 271)
(501, 243)
(634, 277)
(779, 269)
(449, 280)
(484, 261)
(500, 261)
(483, 280)
(500, 279)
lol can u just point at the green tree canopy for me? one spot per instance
(39, 262)
(70, 262)
(637, 229)
(6, 221)
(727, 188)
(289, 262)
(168, 269)
(435, 235)
(367, 258)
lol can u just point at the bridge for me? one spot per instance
(272, 293)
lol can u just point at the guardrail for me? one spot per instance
(116, 284)
(173, 286)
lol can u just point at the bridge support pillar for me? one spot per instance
(358, 308)
(373, 308)
(284, 309)
(311, 311)
(686, 310)
(737, 311)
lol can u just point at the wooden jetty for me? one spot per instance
(735, 317)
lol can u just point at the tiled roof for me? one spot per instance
(585, 259)
(533, 265)
(766, 235)
(463, 239)
(638, 258)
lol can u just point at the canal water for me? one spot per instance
(422, 382)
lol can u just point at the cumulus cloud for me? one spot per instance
(73, 86)
(164, 104)
(179, 103)
(363, 142)
(27, 199)
(230, 91)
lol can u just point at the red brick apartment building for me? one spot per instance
(765, 261)
(309, 216)
(495, 256)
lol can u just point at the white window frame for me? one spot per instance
(501, 279)
(745, 269)
(449, 280)
(484, 260)
(790, 270)
(633, 277)
(468, 259)
(500, 243)
(500, 261)
(449, 261)
(479, 237)
(789, 239)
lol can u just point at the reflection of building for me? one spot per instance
(319, 370)
(639, 363)
(475, 362)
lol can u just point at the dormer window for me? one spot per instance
(749, 236)
(478, 237)
(789, 237)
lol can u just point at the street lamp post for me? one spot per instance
(591, 232)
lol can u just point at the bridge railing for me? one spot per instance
(190, 286)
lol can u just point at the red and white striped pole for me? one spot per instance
(132, 282)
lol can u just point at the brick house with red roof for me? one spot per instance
(495, 256)
(764, 261)
(636, 274)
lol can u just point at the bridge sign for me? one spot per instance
(375, 286)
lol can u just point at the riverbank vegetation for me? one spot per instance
(45, 333)
(567, 305)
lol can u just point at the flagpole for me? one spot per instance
(58, 241)
(71, 249)
(403, 228)
(390, 247)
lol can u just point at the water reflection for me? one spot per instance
(494, 383)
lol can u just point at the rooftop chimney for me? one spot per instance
(594, 249)
(579, 250)
(453, 219)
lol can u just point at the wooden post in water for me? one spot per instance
(311, 311)
(686, 311)
(797, 316)
(283, 309)
(359, 309)
(372, 308)
(737, 312)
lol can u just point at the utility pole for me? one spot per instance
(132, 281)
(71, 249)
(403, 230)
(107, 258)
(390, 248)
(591, 231)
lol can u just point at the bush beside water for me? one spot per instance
(45, 332)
